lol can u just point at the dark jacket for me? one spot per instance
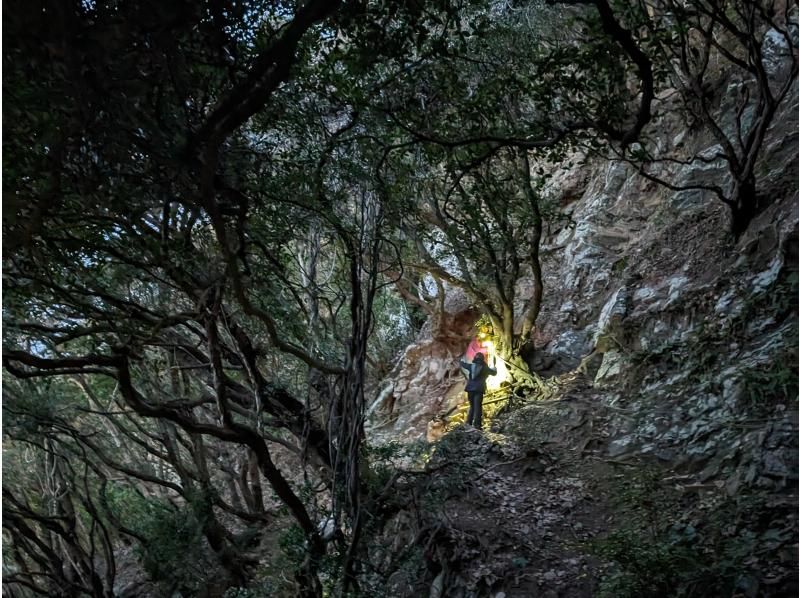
(477, 372)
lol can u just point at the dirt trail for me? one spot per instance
(516, 518)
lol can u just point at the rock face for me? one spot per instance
(694, 332)
(426, 380)
(693, 327)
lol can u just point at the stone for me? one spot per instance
(567, 307)
(666, 455)
(774, 465)
(613, 312)
(562, 354)
(776, 52)
(619, 446)
(617, 174)
(678, 140)
(568, 184)
(677, 285)
(610, 368)
(689, 200)
(764, 280)
(649, 430)
(709, 169)
(644, 295)
(730, 105)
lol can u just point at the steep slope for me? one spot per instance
(670, 440)
(535, 507)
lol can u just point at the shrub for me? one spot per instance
(774, 384)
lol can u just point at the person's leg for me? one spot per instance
(471, 412)
(478, 409)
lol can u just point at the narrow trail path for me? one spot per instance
(535, 507)
(521, 523)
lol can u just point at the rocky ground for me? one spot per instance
(534, 506)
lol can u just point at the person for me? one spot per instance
(478, 371)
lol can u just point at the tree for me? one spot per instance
(703, 46)
(490, 127)
(160, 159)
(479, 229)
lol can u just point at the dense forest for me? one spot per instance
(233, 228)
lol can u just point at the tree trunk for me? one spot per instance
(215, 533)
(533, 306)
(744, 206)
(255, 482)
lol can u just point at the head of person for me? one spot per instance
(478, 358)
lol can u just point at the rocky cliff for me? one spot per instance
(686, 333)
(662, 451)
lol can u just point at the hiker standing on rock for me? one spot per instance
(478, 371)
